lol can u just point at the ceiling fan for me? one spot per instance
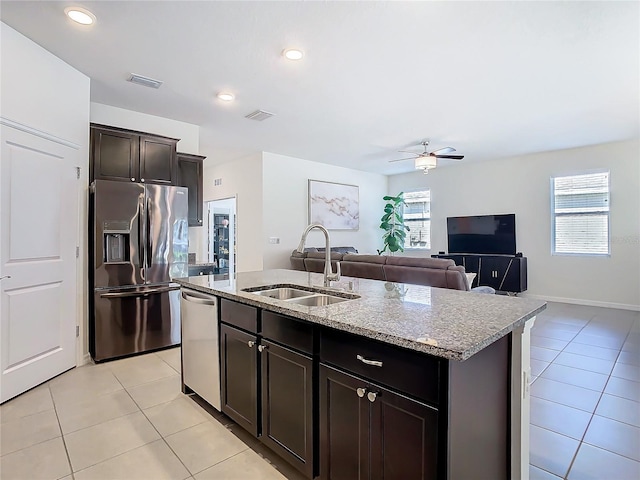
(428, 160)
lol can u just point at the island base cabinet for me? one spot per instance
(239, 377)
(287, 405)
(369, 432)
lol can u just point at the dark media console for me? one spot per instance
(505, 273)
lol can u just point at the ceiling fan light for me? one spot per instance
(425, 163)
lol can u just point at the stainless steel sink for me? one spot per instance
(317, 300)
(299, 296)
(283, 293)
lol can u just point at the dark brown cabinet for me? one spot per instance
(190, 176)
(130, 156)
(369, 432)
(287, 404)
(502, 272)
(267, 380)
(239, 377)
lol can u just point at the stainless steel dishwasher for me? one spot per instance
(200, 358)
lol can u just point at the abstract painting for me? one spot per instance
(334, 205)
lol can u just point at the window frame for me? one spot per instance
(408, 237)
(554, 215)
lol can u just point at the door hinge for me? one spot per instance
(77, 252)
(77, 331)
(78, 173)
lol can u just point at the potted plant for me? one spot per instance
(392, 222)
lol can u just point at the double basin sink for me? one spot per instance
(301, 296)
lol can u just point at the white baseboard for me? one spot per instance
(86, 358)
(580, 301)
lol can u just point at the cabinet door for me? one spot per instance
(239, 377)
(115, 155)
(404, 437)
(190, 176)
(491, 271)
(157, 160)
(344, 426)
(502, 273)
(287, 405)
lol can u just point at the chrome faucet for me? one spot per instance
(329, 276)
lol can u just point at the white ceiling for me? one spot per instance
(492, 79)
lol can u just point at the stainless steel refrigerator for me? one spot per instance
(139, 241)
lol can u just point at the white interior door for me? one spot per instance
(38, 238)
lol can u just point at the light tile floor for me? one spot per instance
(128, 419)
(585, 394)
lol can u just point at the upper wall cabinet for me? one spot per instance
(190, 176)
(129, 156)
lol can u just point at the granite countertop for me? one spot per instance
(447, 323)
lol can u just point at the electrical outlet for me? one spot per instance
(274, 240)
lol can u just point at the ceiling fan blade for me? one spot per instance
(409, 151)
(443, 150)
(402, 159)
(450, 157)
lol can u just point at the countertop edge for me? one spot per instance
(265, 303)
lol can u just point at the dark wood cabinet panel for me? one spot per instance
(115, 155)
(190, 176)
(287, 405)
(404, 437)
(157, 160)
(369, 432)
(239, 377)
(344, 427)
(239, 315)
(130, 156)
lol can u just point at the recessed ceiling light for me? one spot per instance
(226, 96)
(80, 15)
(293, 54)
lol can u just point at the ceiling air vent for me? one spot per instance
(259, 115)
(145, 81)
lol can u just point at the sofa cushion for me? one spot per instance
(457, 278)
(419, 276)
(363, 266)
(424, 262)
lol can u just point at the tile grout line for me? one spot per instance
(64, 442)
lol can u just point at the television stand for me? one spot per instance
(504, 273)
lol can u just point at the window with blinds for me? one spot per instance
(417, 216)
(580, 212)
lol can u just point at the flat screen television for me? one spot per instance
(486, 234)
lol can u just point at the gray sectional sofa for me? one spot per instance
(435, 272)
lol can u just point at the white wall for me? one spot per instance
(522, 186)
(242, 179)
(285, 207)
(188, 133)
(41, 92)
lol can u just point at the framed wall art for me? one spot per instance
(334, 205)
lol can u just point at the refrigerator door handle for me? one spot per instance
(141, 232)
(139, 293)
(149, 251)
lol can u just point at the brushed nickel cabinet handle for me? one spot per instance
(372, 396)
(375, 363)
(261, 348)
(361, 391)
(251, 343)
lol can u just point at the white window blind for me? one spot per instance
(581, 214)
(417, 216)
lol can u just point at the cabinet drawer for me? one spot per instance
(292, 333)
(413, 373)
(240, 315)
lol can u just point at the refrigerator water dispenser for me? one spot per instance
(116, 246)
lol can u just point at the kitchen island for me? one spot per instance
(397, 381)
